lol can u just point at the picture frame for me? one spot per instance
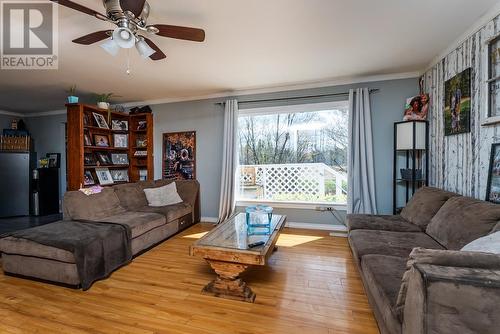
(101, 140)
(119, 159)
(87, 120)
(179, 155)
(119, 125)
(100, 120)
(119, 175)
(87, 141)
(104, 176)
(103, 158)
(88, 159)
(54, 160)
(493, 185)
(88, 178)
(120, 140)
(457, 103)
(141, 142)
(142, 125)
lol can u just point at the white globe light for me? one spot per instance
(124, 37)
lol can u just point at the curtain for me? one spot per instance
(360, 171)
(229, 161)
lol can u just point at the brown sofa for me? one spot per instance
(415, 276)
(124, 204)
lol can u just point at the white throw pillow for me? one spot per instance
(486, 244)
(166, 195)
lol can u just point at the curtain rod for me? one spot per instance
(297, 97)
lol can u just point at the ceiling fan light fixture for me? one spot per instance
(111, 47)
(143, 48)
(124, 37)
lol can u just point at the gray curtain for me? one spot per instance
(360, 171)
(229, 161)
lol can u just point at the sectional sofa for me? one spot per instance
(123, 204)
(415, 275)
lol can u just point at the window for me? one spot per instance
(293, 154)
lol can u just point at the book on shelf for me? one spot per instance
(143, 174)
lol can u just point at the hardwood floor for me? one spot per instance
(311, 286)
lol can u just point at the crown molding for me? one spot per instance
(45, 113)
(10, 113)
(488, 16)
(279, 89)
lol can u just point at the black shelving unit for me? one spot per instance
(411, 147)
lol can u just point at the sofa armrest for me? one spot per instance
(451, 299)
(189, 191)
(450, 258)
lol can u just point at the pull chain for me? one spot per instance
(128, 62)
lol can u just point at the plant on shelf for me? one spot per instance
(103, 100)
(72, 98)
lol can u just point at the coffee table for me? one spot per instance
(225, 248)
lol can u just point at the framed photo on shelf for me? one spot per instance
(142, 125)
(88, 159)
(101, 121)
(119, 158)
(86, 139)
(104, 176)
(54, 160)
(118, 124)
(120, 140)
(493, 185)
(179, 155)
(119, 175)
(88, 179)
(87, 120)
(104, 158)
(101, 140)
(141, 142)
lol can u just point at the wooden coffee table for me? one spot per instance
(225, 248)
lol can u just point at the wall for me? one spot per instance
(48, 135)
(460, 162)
(5, 121)
(206, 118)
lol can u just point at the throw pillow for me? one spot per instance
(486, 244)
(162, 196)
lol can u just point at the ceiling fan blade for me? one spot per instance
(189, 34)
(93, 37)
(158, 55)
(134, 6)
(78, 7)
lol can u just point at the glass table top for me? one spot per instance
(233, 234)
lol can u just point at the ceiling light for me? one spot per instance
(143, 48)
(111, 47)
(124, 37)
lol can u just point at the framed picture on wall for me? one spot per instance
(493, 186)
(179, 155)
(457, 103)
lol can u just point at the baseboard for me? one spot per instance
(325, 227)
(209, 220)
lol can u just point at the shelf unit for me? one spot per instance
(81, 122)
(411, 147)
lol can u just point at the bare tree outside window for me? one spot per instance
(296, 157)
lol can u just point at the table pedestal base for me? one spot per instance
(228, 283)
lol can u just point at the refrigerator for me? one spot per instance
(15, 183)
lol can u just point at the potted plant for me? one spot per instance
(72, 98)
(103, 100)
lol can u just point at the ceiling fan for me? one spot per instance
(130, 17)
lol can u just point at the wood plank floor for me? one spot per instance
(311, 286)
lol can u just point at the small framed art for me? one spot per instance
(120, 140)
(119, 158)
(119, 175)
(100, 120)
(88, 179)
(101, 140)
(88, 159)
(119, 125)
(104, 158)
(104, 176)
(86, 139)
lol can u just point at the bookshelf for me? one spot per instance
(109, 152)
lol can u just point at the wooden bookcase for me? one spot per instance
(81, 123)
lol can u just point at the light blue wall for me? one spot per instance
(5, 121)
(206, 118)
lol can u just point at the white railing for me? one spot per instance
(306, 182)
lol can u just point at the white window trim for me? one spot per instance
(290, 109)
(294, 205)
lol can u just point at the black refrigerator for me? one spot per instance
(15, 183)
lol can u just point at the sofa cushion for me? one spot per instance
(382, 278)
(461, 220)
(19, 246)
(163, 196)
(93, 207)
(171, 212)
(365, 242)
(139, 222)
(131, 196)
(380, 222)
(424, 204)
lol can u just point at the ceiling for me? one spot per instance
(249, 45)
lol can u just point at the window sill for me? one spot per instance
(492, 120)
(295, 205)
